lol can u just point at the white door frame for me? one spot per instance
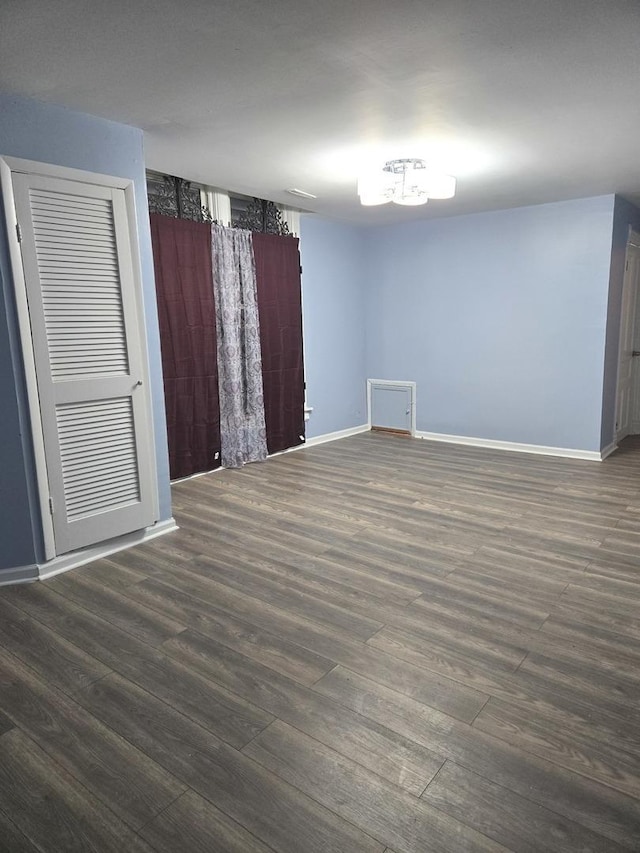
(633, 245)
(395, 383)
(9, 165)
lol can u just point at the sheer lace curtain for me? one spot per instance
(242, 420)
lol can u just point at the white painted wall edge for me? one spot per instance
(41, 571)
(515, 447)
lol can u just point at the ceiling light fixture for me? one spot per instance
(407, 182)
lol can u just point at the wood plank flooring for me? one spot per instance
(378, 645)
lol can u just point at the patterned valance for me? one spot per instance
(178, 198)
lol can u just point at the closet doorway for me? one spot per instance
(73, 245)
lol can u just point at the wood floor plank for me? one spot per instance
(142, 560)
(509, 818)
(628, 589)
(565, 630)
(195, 825)
(5, 723)
(294, 597)
(129, 783)
(230, 717)
(622, 686)
(592, 804)
(220, 518)
(206, 597)
(625, 605)
(450, 591)
(358, 613)
(541, 596)
(233, 569)
(499, 643)
(116, 608)
(360, 797)
(562, 745)
(398, 591)
(534, 685)
(270, 649)
(52, 809)
(619, 633)
(114, 575)
(11, 839)
(283, 512)
(616, 566)
(539, 565)
(476, 636)
(268, 808)
(54, 659)
(373, 745)
(316, 571)
(387, 555)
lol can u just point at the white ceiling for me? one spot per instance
(524, 101)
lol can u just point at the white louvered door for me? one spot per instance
(84, 306)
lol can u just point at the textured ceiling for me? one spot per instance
(524, 101)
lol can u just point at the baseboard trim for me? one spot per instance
(608, 450)
(515, 447)
(103, 549)
(331, 436)
(18, 574)
(310, 442)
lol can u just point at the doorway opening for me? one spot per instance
(628, 392)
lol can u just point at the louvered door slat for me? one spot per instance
(100, 292)
(93, 444)
(81, 288)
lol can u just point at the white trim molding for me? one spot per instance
(515, 447)
(41, 571)
(18, 284)
(19, 574)
(9, 167)
(104, 549)
(608, 450)
(330, 436)
(393, 383)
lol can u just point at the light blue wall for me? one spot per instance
(52, 134)
(334, 329)
(500, 319)
(624, 216)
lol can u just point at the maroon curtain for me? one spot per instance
(186, 311)
(280, 308)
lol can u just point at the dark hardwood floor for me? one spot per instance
(378, 644)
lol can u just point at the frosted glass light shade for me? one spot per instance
(438, 185)
(411, 200)
(408, 182)
(374, 188)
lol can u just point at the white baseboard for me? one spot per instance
(19, 574)
(331, 436)
(195, 476)
(515, 447)
(103, 549)
(608, 450)
(310, 442)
